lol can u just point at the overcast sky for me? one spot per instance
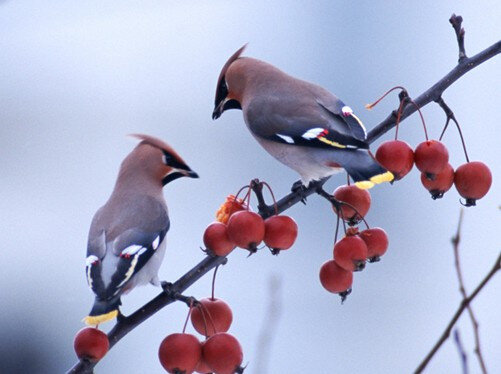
(77, 77)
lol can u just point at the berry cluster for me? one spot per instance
(238, 226)
(472, 179)
(220, 353)
(351, 204)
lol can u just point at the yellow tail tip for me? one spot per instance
(96, 320)
(385, 177)
(364, 185)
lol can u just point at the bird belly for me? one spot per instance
(311, 164)
(150, 270)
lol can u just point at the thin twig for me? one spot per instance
(462, 354)
(450, 116)
(455, 243)
(464, 304)
(456, 24)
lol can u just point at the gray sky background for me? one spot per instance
(76, 77)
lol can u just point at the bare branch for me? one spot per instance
(464, 304)
(455, 242)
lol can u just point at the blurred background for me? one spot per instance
(77, 77)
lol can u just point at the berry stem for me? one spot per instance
(370, 106)
(337, 229)
(422, 118)
(188, 317)
(272, 196)
(450, 116)
(403, 100)
(214, 280)
(246, 197)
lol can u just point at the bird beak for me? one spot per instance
(218, 110)
(190, 174)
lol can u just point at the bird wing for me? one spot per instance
(136, 247)
(130, 239)
(313, 124)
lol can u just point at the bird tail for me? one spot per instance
(365, 170)
(103, 310)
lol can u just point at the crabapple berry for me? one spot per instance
(222, 353)
(357, 198)
(180, 353)
(335, 279)
(280, 232)
(473, 180)
(376, 241)
(212, 316)
(246, 229)
(441, 184)
(431, 157)
(396, 156)
(91, 343)
(350, 253)
(202, 366)
(216, 239)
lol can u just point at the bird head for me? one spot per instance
(158, 160)
(229, 86)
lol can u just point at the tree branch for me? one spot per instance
(464, 304)
(434, 93)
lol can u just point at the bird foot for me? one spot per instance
(166, 287)
(299, 188)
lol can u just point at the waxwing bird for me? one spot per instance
(299, 123)
(126, 242)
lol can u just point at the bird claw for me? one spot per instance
(299, 188)
(166, 286)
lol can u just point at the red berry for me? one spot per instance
(350, 253)
(396, 156)
(180, 353)
(441, 184)
(431, 157)
(223, 353)
(202, 366)
(246, 229)
(376, 241)
(91, 343)
(335, 279)
(280, 232)
(216, 239)
(473, 181)
(212, 314)
(357, 198)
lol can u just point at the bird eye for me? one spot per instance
(166, 158)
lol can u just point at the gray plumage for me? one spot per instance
(126, 242)
(299, 123)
